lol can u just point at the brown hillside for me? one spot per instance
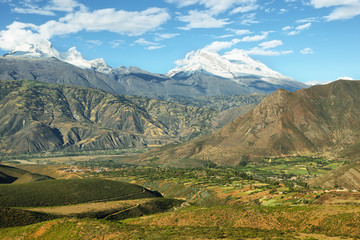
(346, 176)
(318, 120)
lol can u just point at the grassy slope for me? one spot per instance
(15, 175)
(91, 229)
(334, 220)
(65, 192)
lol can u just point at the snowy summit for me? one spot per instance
(44, 49)
(232, 65)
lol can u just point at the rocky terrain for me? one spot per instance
(321, 120)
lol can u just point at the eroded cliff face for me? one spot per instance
(37, 117)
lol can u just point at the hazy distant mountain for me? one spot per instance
(320, 120)
(202, 73)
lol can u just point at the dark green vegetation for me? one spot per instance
(16, 175)
(269, 182)
(37, 117)
(11, 217)
(321, 121)
(72, 191)
(147, 208)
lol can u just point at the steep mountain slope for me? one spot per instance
(319, 120)
(347, 176)
(37, 117)
(52, 70)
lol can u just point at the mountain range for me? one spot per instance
(37, 116)
(322, 120)
(201, 73)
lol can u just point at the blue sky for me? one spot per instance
(308, 40)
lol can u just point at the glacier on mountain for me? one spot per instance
(44, 49)
(233, 65)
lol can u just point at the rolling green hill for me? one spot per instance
(15, 175)
(66, 192)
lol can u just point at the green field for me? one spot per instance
(267, 199)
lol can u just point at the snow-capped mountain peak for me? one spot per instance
(232, 65)
(44, 49)
(203, 61)
(39, 49)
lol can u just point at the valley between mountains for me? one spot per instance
(221, 147)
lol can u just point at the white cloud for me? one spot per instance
(344, 12)
(283, 10)
(149, 45)
(303, 27)
(121, 22)
(257, 51)
(143, 42)
(33, 10)
(331, 3)
(266, 52)
(245, 9)
(225, 36)
(214, 6)
(162, 36)
(297, 29)
(344, 9)
(249, 19)
(150, 48)
(17, 34)
(239, 31)
(271, 44)
(306, 51)
(255, 37)
(308, 20)
(197, 19)
(287, 28)
(30, 7)
(116, 43)
(95, 42)
(218, 45)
